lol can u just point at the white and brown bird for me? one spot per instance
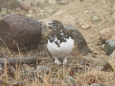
(60, 42)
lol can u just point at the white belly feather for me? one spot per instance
(62, 51)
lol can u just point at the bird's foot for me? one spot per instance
(65, 60)
(57, 62)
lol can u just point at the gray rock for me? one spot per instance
(113, 15)
(63, 2)
(96, 84)
(95, 18)
(69, 81)
(43, 69)
(52, 2)
(109, 46)
(18, 31)
(41, 1)
(79, 40)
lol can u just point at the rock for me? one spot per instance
(107, 34)
(3, 13)
(85, 26)
(24, 7)
(63, 2)
(109, 46)
(107, 68)
(52, 2)
(69, 81)
(113, 15)
(43, 69)
(21, 32)
(79, 40)
(96, 84)
(41, 1)
(30, 13)
(95, 18)
(100, 42)
(9, 4)
(111, 60)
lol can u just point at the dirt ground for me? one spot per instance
(79, 13)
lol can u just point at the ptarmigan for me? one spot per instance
(60, 42)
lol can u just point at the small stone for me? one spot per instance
(85, 26)
(3, 13)
(111, 60)
(30, 14)
(63, 2)
(107, 68)
(69, 81)
(52, 2)
(41, 1)
(95, 18)
(99, 42)
(96, 84)
(43, 69)
(24, 7)
(4, 9)
(113, 15)
(109, 46)
(107, 34)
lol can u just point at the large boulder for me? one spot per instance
(80, 41)
(17, 31)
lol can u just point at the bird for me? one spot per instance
(60, 42)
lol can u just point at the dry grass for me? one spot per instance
(56, 77)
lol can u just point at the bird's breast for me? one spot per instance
(64, 49)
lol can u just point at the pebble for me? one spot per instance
(41, 1)
(69, 81)
(85, 26)
(43, 69)
(95, 18)
(52, 2)
(109, 46)
(107, 67)
(63, 2)
(30, 14)
(113, 15)
(3, 13)
(96, 84)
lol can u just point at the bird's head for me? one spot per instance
(56, 25)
